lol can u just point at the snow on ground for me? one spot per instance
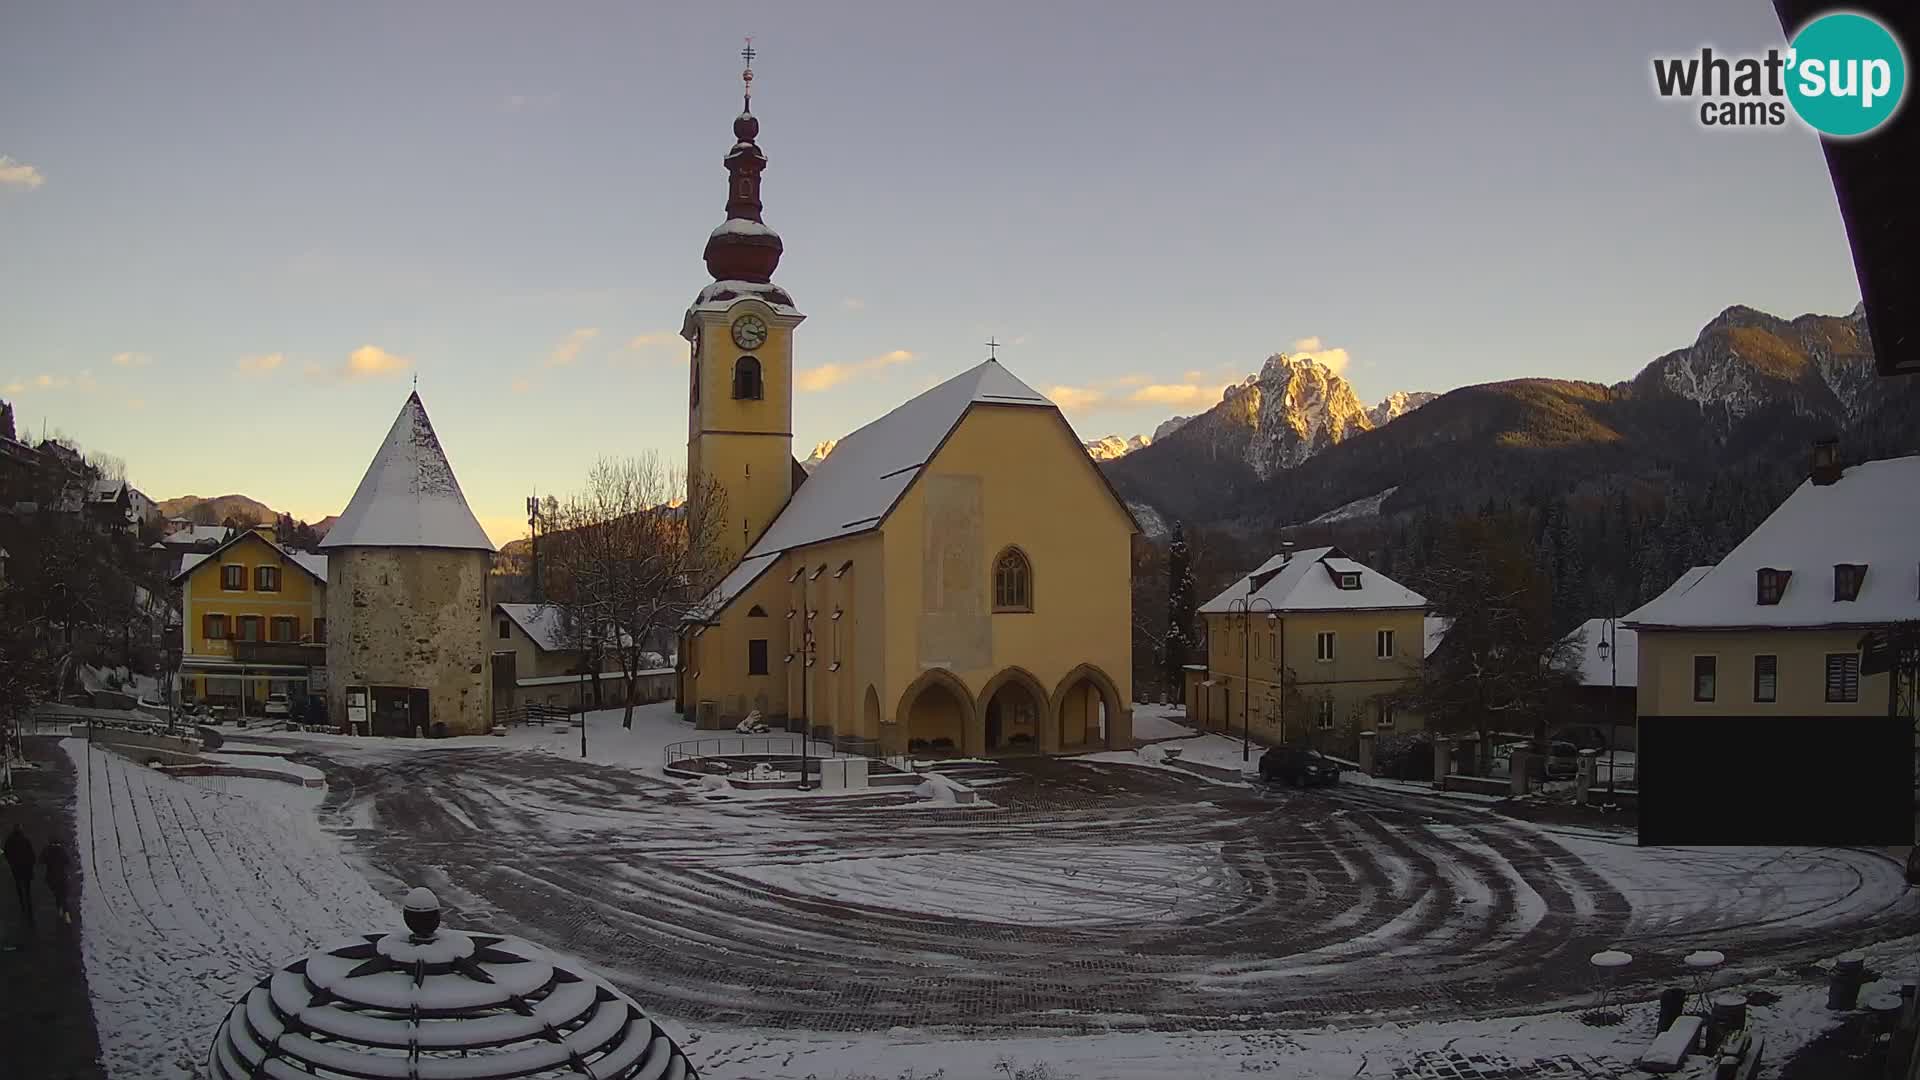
(752, 930)
(267, 763)
(641, 748)
(1152, 723)
(1215, 750)
(195, 888)
(1106, 885)
(1366, 1053)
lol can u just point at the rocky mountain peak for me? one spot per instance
(1398, 404)
(1113, 446)
(820, 452)
(1168, 426)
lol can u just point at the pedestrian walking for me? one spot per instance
(53, 862)
(20, 860)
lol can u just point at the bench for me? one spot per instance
(1671, 1046)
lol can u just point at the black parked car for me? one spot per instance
(1298, 768)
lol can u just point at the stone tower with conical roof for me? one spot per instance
(407, 603)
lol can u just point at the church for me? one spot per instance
(954, 578)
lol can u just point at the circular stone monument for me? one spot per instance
(432, 1002)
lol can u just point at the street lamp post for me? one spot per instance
(1246, 606)
(1610, 652)
(806, 665)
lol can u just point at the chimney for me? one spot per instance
(1825, 468)
(1286, 552)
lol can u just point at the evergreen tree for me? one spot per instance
(1180, 607)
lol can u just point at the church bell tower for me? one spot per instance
(740, 329)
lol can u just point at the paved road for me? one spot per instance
(1086, 895)
(48, 1026)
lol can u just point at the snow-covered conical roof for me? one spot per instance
(439, 1003)
(409, 497)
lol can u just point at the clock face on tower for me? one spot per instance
(749, 332)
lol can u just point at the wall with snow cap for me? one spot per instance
(413, 617)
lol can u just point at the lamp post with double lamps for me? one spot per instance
(1246, 606)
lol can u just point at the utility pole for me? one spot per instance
(533, 545)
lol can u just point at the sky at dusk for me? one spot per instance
(232, 234)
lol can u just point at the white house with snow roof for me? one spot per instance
(536, 662)
(1311, 648)
(1776, 627)
(954, 578)
(407, 599)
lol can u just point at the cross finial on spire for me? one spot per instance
(746, 76)
(993, 348)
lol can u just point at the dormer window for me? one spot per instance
(1350, 581)
(1772, 585)
(1847, 579)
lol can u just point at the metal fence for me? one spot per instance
(773, 745)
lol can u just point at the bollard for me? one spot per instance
(1727, 1013)
(1843, 986)
(1673, 1000)
(1519, 772)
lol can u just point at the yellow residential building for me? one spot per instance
(952, 578)
(1775, 628)
(253, 622)
(1345, 638)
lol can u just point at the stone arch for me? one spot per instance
(746, 379)
(870, 714)
(941, 727)
(996, 736)
(1073, 714)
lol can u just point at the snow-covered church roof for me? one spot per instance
(1868, 517)
(1308, 581)
(409, 497)
(867, 472)
(853, 488)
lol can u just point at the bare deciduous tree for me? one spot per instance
(627, 558)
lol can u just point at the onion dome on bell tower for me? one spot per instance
(743, 248)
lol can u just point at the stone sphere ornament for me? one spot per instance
(439, 1003)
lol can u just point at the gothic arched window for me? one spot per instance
(1012, 581)
(746, 379)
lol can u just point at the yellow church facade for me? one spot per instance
(952, 579)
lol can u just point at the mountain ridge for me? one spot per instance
(1751, 387)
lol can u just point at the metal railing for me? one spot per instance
(773, 745)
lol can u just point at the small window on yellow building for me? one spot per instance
(1012, 581)
(233, 578)
(266, 579)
